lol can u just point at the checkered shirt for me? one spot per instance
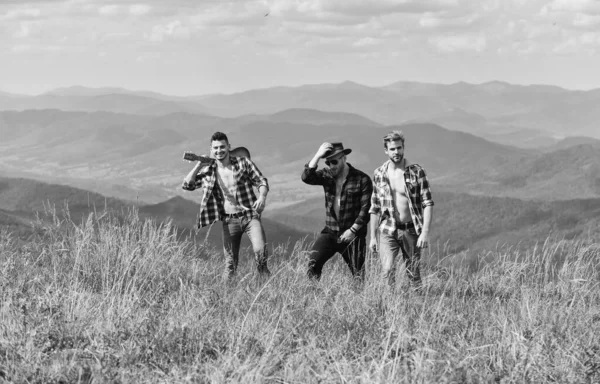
(246, 175)
(355, 199)
(416, 187)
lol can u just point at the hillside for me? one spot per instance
(464, 222)
(131, 157)
(184, 213)
(25, 195)
(21, 198)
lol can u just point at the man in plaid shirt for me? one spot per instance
(401, 210)
(228, 196)
(347, 201)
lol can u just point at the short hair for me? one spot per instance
(393, 136)
(219, 136)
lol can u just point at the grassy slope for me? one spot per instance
(123, 301)
(464, 222)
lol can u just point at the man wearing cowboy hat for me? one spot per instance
(347, 202)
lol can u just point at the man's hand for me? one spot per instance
(373, 244)
(323, 149)
(347, 236)
(423, 240)
(259, 204)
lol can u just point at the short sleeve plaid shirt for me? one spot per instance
(355, 198)
(246, 175)
(417, 190)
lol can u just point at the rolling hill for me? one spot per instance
(184, 213)
(21, 198)
(464, 222)
(140, 157)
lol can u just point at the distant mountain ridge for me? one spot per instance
(144, 153)
(549, 110)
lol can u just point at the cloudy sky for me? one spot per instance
(185, 47)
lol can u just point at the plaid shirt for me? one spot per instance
(416, 187)
(245, 174)
(355, 199)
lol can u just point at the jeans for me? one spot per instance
(404, 241)
(326, 245)
(233, 228)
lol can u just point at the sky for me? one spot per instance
(194, 47)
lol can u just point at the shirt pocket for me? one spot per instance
(353, 195)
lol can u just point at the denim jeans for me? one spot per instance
(327, 245)
(390, 246)
(233, 228)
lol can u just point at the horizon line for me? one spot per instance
(117, 87)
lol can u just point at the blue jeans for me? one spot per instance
(390, 246)
(233, 228)
(326, 245)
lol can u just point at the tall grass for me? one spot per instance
(117, 299)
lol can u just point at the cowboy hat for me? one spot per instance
(336, 150)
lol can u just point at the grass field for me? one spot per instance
(120, 300)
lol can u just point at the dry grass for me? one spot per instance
(121, 300)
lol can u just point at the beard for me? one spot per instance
(397, 159)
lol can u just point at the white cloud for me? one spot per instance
(459, 43)
(118, 9)
(380, 7)
(109, 10)
(172, 30)
(139, 9)
(239, 13)
(21, 13)
(26, 29)
(583, 6)
(366, 41)
(435, 21)
(30, 48)
(584, 20)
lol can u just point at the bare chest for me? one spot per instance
(396, 178)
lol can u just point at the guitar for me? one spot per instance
(238, 152)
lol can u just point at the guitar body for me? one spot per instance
(237, 152)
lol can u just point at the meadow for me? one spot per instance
(118, 299)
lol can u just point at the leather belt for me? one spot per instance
(235, 215)
(405, 226)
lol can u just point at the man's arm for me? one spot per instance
(365, 204)
(363, 217)
(260, 182)
(427, 204)
(191, 181)
(310, 175)
(375, 212)
(423, 240)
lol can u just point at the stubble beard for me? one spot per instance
(222, 158)
(399, 161)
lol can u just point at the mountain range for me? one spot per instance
(139, 158)
(508, 164)
(536, 114)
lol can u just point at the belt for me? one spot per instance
(405, 226)
(235, 215)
